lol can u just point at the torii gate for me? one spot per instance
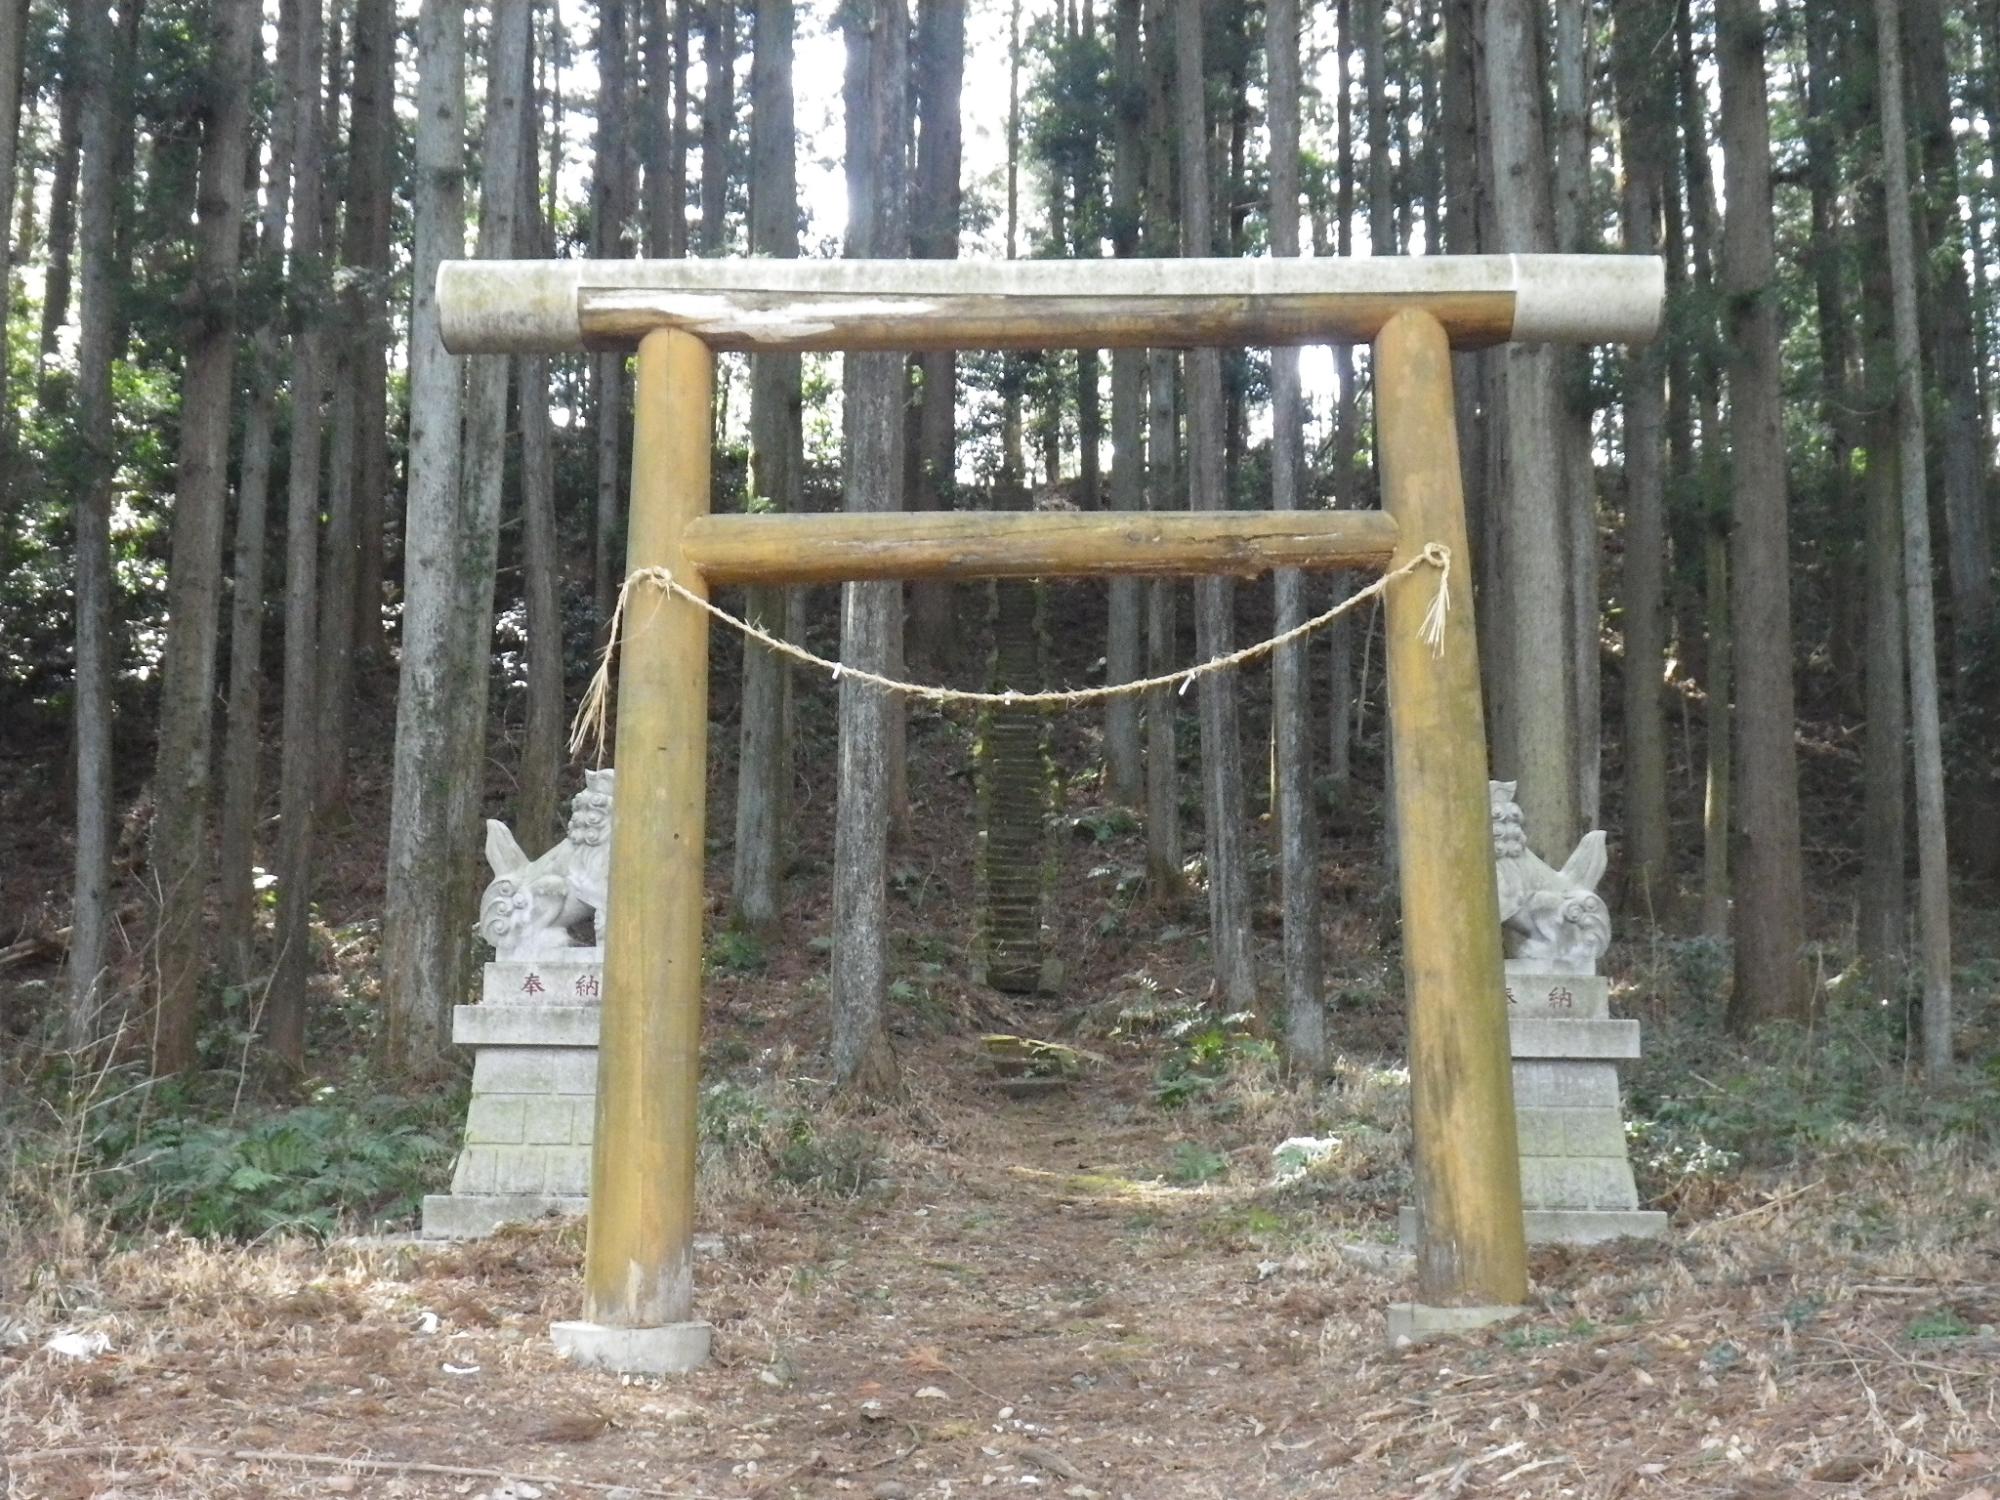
(639, 1264)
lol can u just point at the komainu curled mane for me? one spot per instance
(1550, 916)
(530, 905)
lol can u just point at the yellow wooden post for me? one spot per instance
(1472, 1254)
(639, 1262)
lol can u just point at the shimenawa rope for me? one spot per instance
(592, 715)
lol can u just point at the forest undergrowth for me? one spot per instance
(1136, 1285)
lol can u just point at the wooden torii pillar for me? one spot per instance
(639, 1271)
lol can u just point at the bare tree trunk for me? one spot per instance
(1221, 743)
(244, 734)
(13, 38)
(610, 207)
(1883, 896)
(1823, 129)
(1645, 132)
(1719, 636)
(181, 782)
(370, 184)
(1463, 191)
(1963, 451)
(483, 466)
(1124, 761)
(870, 612)
(1163, 804)
(764, 763)
(935, 210)
(1576, 235)
(1536, 493)
(544, 757)
(1933, 876)
(1769, 926)
(285, 1017)
(62, 218)
(100, 81)
(334, 686)
(718, 113)
(358, 461)
(1341, 705)
(1291, 677)
(424, 945)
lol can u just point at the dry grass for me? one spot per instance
(1026, 1301)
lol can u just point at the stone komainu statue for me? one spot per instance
(1552, 917)
(530, 905)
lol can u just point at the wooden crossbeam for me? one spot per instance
(847, 547)
(530, 306)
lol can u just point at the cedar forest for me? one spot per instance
(294, 600)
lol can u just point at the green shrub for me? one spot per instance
(842, 1163)
(1206, 1048)
(1193, 1163)
(310, 1167)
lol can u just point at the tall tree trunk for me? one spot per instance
(1221, 744)
(483, 465)
(544, 757)
(62, 217)
(1645, 136)
(764, 764)
(718, 114)
(299, 758)
(100, 80)
(424, 948)
(1962, 447)
(334, 689)
(1576, 235)
(13, 37)
(935, 210)
(1124, 762)
(1464, 185)
(194, 580)
(1883, 897)
(1712, 511)
(1341, 705)
(352, 626)
(243, 736)
(1823, 130)
(666, 215)
(1769, 924)
(1933, 877)
(1163, 802)
(1536, 492)
(1291, 677)
(870, 612)
(610, 207)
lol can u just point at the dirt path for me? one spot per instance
(1027, 1307)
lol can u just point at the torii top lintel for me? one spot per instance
(549, 306)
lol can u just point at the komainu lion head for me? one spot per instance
(1510, 839)
(590, 809)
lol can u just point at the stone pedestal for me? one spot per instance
(1576, 1179)
(534, 1097)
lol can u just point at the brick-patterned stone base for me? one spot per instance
(534, 1106)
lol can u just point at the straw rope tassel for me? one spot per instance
(592, 716)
